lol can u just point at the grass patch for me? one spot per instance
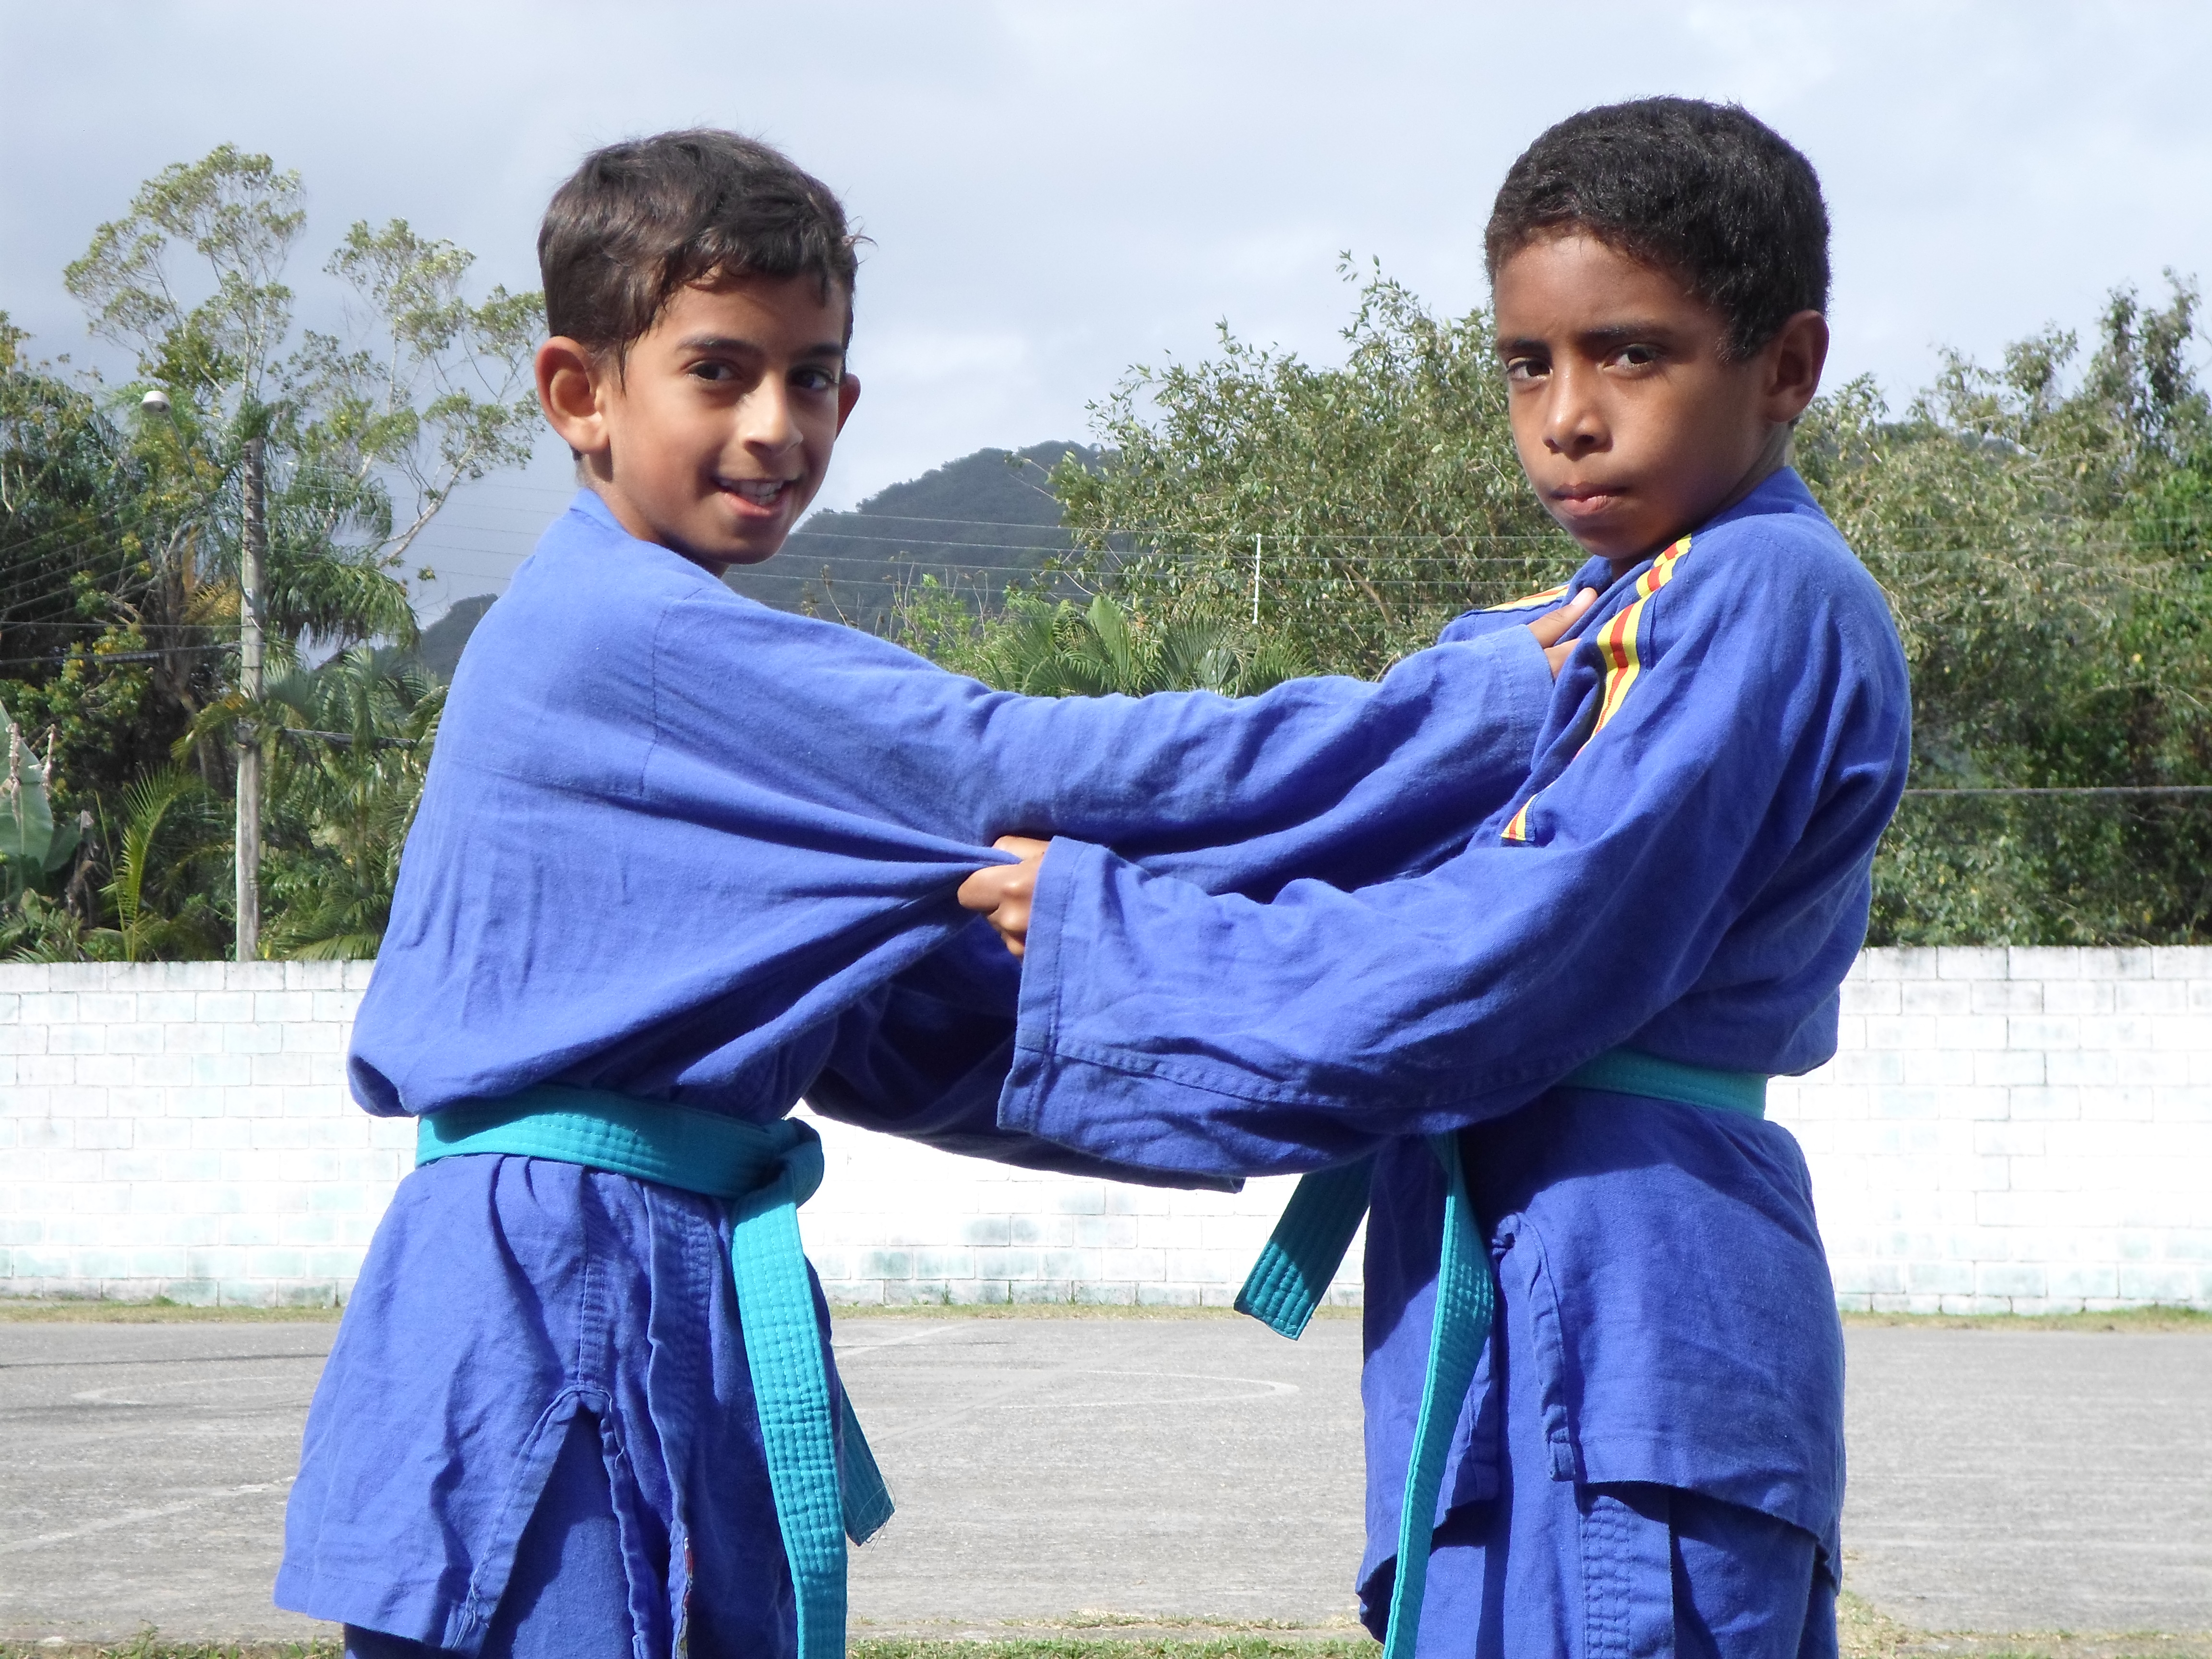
(70, 1311)
(1865, 1633)
(2117, 1319)
(148, 1645)
(161, 1311)
(1862, 1634)
(1357, 1646)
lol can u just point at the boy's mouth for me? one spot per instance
(760, 492)
(1584, 500)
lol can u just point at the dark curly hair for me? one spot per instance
(640, 221)
(1706, 190)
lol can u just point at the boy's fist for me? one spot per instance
(1548, 628)
(1002, 892)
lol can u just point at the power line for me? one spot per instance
(29, 627)
(1230, 537)
(99, 656)
(2180, 789)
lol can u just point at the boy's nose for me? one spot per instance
(765, 420)
(1573, 427)
(1573, 440)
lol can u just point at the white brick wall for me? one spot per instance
(2002, 1130)
(894, 1222)
(182, 1129)
(2015, 1130)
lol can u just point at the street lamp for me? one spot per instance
(155, 401)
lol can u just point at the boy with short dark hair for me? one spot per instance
(680, 859)
(1564, 1029)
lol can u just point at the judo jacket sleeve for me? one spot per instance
(670, 838)
(1686, 870)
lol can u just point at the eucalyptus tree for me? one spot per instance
(370, 431)
(122, 509)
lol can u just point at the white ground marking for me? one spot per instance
(130, 1518)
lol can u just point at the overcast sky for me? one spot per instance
(1058, 190)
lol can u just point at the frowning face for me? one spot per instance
(1631, 421)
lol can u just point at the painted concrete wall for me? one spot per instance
(2015, 1130)
(183, 1130)
(2001, 1130)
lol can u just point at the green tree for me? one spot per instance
(74, 669)
(170, 836)
(120, 527)
(1373, 500)
(2039, 527)
(37, 847)
(1044, 649)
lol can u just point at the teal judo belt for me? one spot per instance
(1294, 1271)
(764, 1172)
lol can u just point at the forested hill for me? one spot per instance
(440, 650)
(978, 523)
(974, 524)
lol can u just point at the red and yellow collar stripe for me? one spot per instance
(1517, 829)
(1622, 643)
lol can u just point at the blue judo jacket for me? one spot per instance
(681, 847)
(1686, 870)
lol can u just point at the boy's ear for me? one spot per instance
(568, 391)
(849, 394)
(1794, 360)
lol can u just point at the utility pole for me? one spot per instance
(251, 543)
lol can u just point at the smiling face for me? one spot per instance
(1630, 423)
(712, 433)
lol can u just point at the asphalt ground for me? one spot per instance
(1145, 1470)
(2006, 1480)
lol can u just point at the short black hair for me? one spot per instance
(640, 221)
(1706, 190)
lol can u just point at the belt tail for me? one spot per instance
(1467, 1301)
(867, 1500)
(790, 1385)
(1292, 1274)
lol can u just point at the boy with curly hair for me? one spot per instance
(1604, 1371)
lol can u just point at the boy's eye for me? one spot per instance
(711, 370)
(1525, 369)
(1636, 357)
(813, 380)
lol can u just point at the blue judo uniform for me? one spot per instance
(1651, 1458)
(682, 848)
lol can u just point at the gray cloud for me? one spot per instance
(1058, 190)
